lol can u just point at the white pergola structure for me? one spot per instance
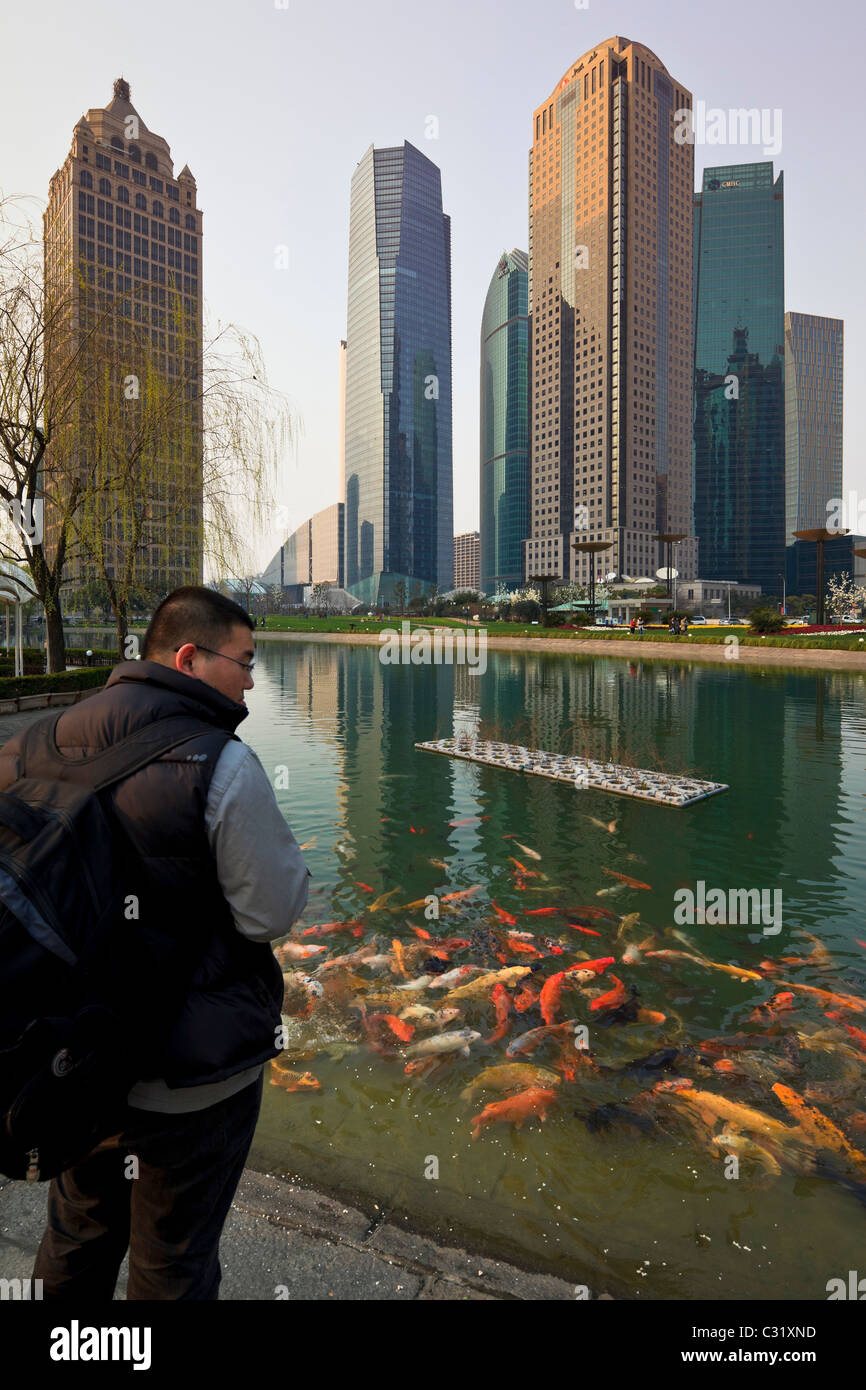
(14, 592)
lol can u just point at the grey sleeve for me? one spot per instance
(259, 865)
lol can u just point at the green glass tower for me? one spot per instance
(505, 423)
(739, 419)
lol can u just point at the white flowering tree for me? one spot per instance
(844, 596)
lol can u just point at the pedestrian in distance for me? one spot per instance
(218, 874)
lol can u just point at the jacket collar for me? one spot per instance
(198, 697)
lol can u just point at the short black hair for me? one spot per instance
(193, 614)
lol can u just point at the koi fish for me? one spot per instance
(459, 1041)
(293, 1080)
(419, 983)
(366, 887)
(551, 996)
(613, 892)
(610, 827)
(630, 920)
(510, 1076)
(650, 1016)
(856, 1033)
(293, 950)
(844, 1001)
(466, 820)
(515, 1109)
(509, 976)
(308, 844)
(744, 1147)
(399, 959)
(457, 976)
(612, 999)
(779, 1004)
(463, 893)
(592, 967)
(711, 1107)
(587, 931)
(525, 948)
(531, 853)
(737, 971)
(526, 996)
(438, 864)
(419, 831)
(529, 1041)
(503, 915)
(382, 899)
(629, 882)
(399, 1027)
(329, 928)
(815, 1125)
(542, 912)
(524, 872)
(420, 932)
(592, 913)
(502, 1001)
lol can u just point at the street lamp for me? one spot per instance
(820, 535)
(592, 548)
(669, 539)
(784, 595)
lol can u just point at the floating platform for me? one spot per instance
(664, 787)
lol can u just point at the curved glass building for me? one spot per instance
(399, 510)
(505, 423)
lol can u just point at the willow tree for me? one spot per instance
(39, 409)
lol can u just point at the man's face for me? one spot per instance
(219, 671)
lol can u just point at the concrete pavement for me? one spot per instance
(283, 1241)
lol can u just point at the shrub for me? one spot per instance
(10, 687)
(765, 620)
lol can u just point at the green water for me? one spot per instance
(640, 1214)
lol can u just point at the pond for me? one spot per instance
(636, 1199)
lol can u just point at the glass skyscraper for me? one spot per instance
(813, 421)
(398, 468)
(739, 420)
(505, 423)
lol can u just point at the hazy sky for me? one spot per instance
(273, 107)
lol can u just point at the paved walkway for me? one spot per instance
(289, 1242)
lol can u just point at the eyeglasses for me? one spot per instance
(247, 665)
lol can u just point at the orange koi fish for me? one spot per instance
(542, 912)
(612, 999)
(329, 928)
(624, 878)
(419, 931)
(526, 996)
(856, 1033)
(844, 1001)
(463, 893)
(502, 1000)
(293, 1080)
(503, 915)
(515, 1109)
(293, 950)
(592, 913)
(397, 948)
(551, 996)
(587, 931)
(525, 948)
(594, 967)
(525, 873)
(779, 1004)
(366, 887)
(823, 1133)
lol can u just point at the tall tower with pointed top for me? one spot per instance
(122, 245)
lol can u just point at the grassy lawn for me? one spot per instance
(714, 636)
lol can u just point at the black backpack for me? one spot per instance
(77, 992)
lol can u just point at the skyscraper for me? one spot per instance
(505, 328)
(739, 422)
(122, 241)
(399, 512)
(467, 560)
(813, 421)
(610, 255)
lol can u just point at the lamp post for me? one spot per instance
(543, 580)
(820, 535)
(669, 539)
(591, 548)
(784, 596)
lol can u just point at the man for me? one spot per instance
(217, 863)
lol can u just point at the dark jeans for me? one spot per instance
(171, 1216)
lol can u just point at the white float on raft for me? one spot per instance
(667, 788)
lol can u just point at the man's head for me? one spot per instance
(200, 633)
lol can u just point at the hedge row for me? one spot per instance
(10, 687)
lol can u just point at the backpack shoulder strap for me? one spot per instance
(40, 755)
